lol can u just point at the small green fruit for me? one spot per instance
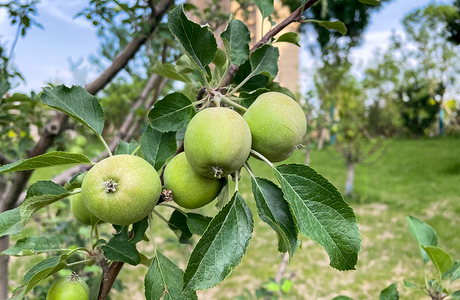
(79, 210)
(69, 288)
(81, 141)
(121, 189)
(76, 149)
(277, 124)
(189, 189)
(217, 142)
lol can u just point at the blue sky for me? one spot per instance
(43, 55)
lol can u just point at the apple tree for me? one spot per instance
(236, 106)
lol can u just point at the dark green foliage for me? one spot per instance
(417, 106)
(453, 24)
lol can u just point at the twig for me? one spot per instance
(109, 279)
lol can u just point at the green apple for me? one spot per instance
(79, 210)
(81, 141)
(121, 189)
(69, 288)
(277, 124)
(217, 142)
(76, 149)
(189, 189)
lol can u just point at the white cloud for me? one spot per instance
(3, 16)
(65, 11)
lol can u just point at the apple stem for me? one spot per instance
(240, 85)
(135, 150)
(174, 207)
(237, 175)
(79, 262)
(248, 168)
(232, 103)
(262, 157)
(160, 216)
(105, 144)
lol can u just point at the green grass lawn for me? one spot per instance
(415, 177)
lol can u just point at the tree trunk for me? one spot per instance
(350, 178)
(282, 268)
(4, 244)
(307, 156)
(321, 139)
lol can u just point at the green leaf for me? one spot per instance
(248, 98)
(77, 103)
(265, 6)
(39, 195)
(409, 284)
(273, 287)
(455, 275)
(196, 40)
(158, 146)
(265, 60)
(125, 148)
(321, 213)
(289, 37)
(442, 260)
(75, 182)
(221, 247)
(10, 222)
(370, 2)
(178, 224)
(170, 71)
(276, 87)
(4, 87)
(452, 271)
(223, 198)
(121, 250)
(55, 158)
(286, 285)
(390, 293)
(236, 38)
(274, 211)
(335, 25)
(171, 113)
(423, 233)
(184, 65)
(37, 273)
(164, 281)
(197, 223)
(342, 298)
(139, 229)
(33, 245)
(254, 83)
(455, 295)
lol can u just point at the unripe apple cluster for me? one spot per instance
(218, 142)
(123, 189)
